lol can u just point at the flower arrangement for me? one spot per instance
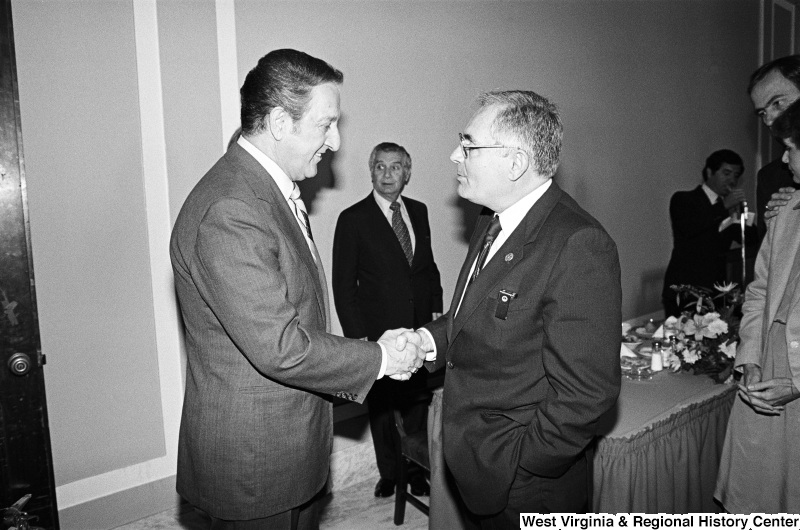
(705, 336)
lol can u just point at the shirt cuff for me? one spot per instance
(430, 356)
(728, 221)
(732, 220)
(383, 361)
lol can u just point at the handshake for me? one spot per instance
(405, 352)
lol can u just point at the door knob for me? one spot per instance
(19, 364)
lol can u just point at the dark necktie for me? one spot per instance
(488, 239)
(401, 231)
(719, 209)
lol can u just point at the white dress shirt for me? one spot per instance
(284, 183)
(732, 219)
(711, 194)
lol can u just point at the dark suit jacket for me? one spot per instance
(256, 433)
(770, 179)
(699, 248)
(374, 288)
(526, 391)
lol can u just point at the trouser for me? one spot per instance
(382, 402)
(531, 493)
(303, 517)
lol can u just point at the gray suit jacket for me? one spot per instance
(256, 430)
(764, 294)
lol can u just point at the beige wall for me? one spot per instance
(83, 152)
(123, 109)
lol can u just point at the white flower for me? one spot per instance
(715, 325)
(708, 325)
(690, 356)
(729, 349)
(725, 287)
(674, 363)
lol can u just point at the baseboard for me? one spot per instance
(352, 461)
(122, 507)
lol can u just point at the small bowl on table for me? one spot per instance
(636, 369)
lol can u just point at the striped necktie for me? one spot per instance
(401, 231)
(491, 233)
(300, 211)
(302, 216)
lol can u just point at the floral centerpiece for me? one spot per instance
(704, 338)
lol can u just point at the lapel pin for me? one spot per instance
(509, 256)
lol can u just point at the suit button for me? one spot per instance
(794, 344)
(449, 364)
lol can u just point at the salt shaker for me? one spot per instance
(656, 361)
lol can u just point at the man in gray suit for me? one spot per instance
(256, 429)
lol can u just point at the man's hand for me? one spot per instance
(420, 339)
(404, 356)
(778, 200)
(734, 198)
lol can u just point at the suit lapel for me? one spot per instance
(413, 214)
(472, 254)
(787, 236)
(504, 259)
(264, 187)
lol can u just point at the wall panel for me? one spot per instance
(80, 118)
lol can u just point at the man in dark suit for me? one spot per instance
(384, 277)
(704, 224)
(531, 340)
(256, 429)
(772, 88)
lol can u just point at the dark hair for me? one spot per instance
(723, 156)
(389, 147)
(789, 67)
(787, 125)
(530, 120)
(282, 78)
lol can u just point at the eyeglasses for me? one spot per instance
(465, 149)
